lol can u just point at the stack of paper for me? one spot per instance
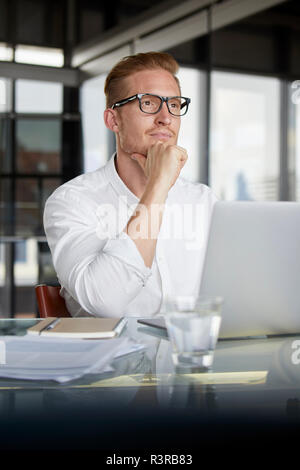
(38, 358)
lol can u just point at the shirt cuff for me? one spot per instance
(124, 248)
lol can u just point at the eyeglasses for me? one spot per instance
(152, 104)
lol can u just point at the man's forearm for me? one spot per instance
(162, 167)
(144, 226)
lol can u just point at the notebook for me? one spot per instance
(84, 328)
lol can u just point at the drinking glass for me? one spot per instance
(193, 325)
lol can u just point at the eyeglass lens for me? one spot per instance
(151, 104)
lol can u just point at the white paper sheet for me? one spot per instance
(38, 358)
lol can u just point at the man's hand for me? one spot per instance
(163, 164)
(162, 167)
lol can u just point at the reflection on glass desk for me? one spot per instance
(250, 377)
(245, 366)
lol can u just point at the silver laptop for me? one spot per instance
(253, 262)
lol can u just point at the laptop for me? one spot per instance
(253, 261)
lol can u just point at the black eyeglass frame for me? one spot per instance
(163, 99)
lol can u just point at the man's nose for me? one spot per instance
(163, 116)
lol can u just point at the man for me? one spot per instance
(131, 234)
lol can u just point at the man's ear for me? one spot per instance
(110, 120)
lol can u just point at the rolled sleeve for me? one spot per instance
(124, 249)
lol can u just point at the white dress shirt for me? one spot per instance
(99, 267)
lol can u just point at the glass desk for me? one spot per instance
(253, 386)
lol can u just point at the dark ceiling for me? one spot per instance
(51, 22)
(268, 42)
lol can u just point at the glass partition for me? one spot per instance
(33, 96)
(4, 280)
(191, 82)
(98, 141)
(38, 145)
(39, 55)
(5, 94)
(5, 157)
(31, 149)
(27, 207)
(6, 207)
(245, 137)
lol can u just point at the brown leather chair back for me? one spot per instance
(50, 303)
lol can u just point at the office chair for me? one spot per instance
(50, 303)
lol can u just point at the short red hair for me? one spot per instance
(114, 86)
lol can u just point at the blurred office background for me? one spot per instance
(240, 64)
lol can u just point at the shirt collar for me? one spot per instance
(117, 183)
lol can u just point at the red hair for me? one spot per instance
(114, 84)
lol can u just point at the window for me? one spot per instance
(6, 52)
(245, 137)
(5, 160)
(31, 145)
(20, 252)
(26, 263)
(38, 145)
(191, 81)
(6, 212)
(39, 55)
(34, 96)
(5, 95)
(98, 141)
(27, 207)
(3, 290)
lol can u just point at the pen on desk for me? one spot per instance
(50, 325)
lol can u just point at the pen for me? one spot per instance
(50, 326)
